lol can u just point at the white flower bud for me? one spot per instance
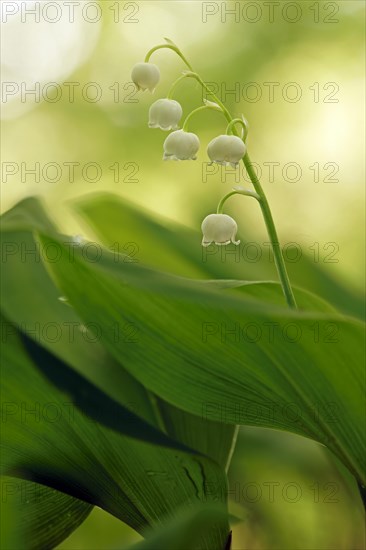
(226, 150)
(145, 76)
(219, 229)
(165, 114)
(181, 145)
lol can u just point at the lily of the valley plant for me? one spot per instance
(229, 148)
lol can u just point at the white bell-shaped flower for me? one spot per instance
(145, 76)
(165, 114)
(181, 145)
(219, 229)
(226, 150)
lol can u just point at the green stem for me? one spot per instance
(245, 192)
(197, 77)
(243, 123)
(174, 85)
(272, 233)
(192, 113)
(169, 47)
(232, 448)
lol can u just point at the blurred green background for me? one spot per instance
(105, 123)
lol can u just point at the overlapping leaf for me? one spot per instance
(41, 315)
(48, 441)
(236, 379)
(201, 349)
(39, 517)
(201, 346)
(185, 532)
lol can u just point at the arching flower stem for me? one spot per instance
(195, 111)
(244, 125)
(169, 47)
(263, 202)
(174, 85)
(245, 192)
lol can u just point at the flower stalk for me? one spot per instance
(245, 192)
(272, 233)
(169, 46)
(243, 123)
(174, 85)
(259, 192)
(195, 111)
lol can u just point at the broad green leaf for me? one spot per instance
(213, 439)
(91, 400)
(44, 318)
(184, 532)
(48, 441)
(41, 517)
(21, 218)
(222, 368)
(31, 301)
(41, 315)
(172, 247)
(9, 537)
(41, 308)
